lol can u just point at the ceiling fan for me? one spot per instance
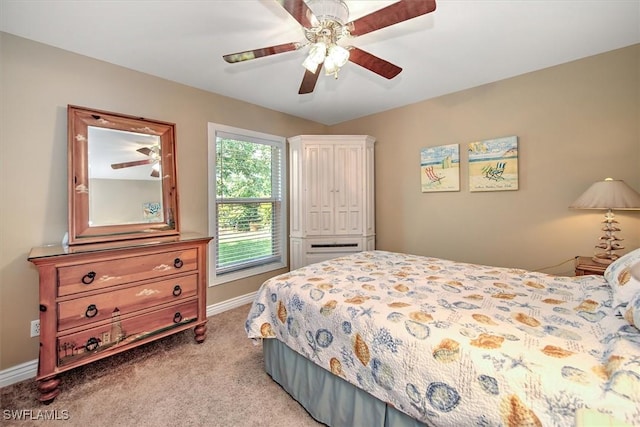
(328, 24)
(152, 152)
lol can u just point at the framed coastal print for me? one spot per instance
(151, 211)
(440, 168)
(493, 164)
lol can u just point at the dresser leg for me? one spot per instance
(200, 332)
(48, 389)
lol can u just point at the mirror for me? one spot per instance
(124, 166)
(122, 180)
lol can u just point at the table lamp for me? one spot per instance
(608, 194)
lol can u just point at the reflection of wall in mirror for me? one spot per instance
(116, 201)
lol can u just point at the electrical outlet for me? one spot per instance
(35, 328)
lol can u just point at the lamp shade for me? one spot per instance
(608, 194)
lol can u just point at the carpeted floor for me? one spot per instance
(170, 382)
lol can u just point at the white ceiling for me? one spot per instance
(464, 43)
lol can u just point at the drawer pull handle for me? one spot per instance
(92, 344)
(88, 278)
(92, 311)
(177, 318)
(177, 263)
(177, 290)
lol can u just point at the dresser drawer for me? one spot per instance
(123, 331)
(95, 308)
(102, 274)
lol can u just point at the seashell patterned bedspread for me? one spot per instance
(455, 344)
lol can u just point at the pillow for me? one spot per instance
(623, 284)
(632, 311)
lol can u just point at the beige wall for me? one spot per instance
(37, 83)
(130, 194)
(576, 123)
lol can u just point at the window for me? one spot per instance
(247, 209)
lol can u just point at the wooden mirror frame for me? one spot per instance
(80, 231)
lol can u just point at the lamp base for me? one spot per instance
(609, 242)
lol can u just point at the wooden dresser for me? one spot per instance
(101, 299)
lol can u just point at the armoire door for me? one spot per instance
(319, 189)
(348, 189)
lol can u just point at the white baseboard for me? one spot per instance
(230, 304)
(18, 373)
(28, 370)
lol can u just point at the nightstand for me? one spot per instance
(585, 265)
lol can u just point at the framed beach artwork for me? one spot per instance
(440, 168)
(493, 164)
(151, 211)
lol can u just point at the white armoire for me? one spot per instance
(331, 196)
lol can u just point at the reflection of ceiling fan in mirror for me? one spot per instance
(326, 26)
(152, 152)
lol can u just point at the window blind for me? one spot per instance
(248, 202)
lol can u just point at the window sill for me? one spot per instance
(243, 274)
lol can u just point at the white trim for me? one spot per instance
(28, 370)
(229, 304)
(254, 271)
(18, 373)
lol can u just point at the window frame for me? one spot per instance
(280, 142)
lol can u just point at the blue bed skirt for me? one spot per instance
(328, 398)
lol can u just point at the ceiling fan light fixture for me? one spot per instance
(316, 56)
(338, 54)
(328, 10)
(310, 65)
(330, 67)
(318, 52)
(336, 58)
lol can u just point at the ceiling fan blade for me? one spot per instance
(145, 150)
(309, 80)
(130, 164)
(371, 62)
(259, 53)
(299, 10)
(390, 15)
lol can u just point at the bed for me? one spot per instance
(388, 339)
